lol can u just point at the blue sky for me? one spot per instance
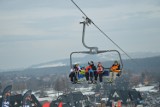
(36, 31)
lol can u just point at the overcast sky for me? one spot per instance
(36, 31)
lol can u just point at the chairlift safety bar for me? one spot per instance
(98, 52)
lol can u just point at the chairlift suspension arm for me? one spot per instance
(92, 49)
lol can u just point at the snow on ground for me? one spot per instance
(51, 95)
(146, 88)
(44, 99)
(85, 91)
(104, 99)
(88, 93)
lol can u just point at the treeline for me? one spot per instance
(21, 83)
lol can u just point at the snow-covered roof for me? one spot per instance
(88, 93)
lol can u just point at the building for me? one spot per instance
(74, 99)
(124, 98)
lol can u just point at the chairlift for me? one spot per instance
(93, 50)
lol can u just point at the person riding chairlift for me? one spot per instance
(81, 73)
(95, 74)
(74, 73)
(114, 71)
(100, 70)
(89, 72)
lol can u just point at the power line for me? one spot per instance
(102, 31)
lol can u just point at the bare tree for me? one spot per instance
(61, 84)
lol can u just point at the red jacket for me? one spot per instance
(99, 69)
(88, 68)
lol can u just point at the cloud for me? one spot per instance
(41, 21)
(37, 27)
(35, 23)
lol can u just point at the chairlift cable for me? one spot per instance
(111, 40)
(102, 31)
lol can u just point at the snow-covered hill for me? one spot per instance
(59, 64)
(96, 58)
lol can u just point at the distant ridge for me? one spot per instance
(66, 62)
(96, 58)
(150, 64)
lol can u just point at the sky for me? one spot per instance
(37, 31)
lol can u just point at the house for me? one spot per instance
(74, 99)
(124, 98)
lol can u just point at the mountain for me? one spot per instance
(106, 57)
(136, 55)
(150, 64)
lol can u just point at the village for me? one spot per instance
(138, 91)
(110, 95)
